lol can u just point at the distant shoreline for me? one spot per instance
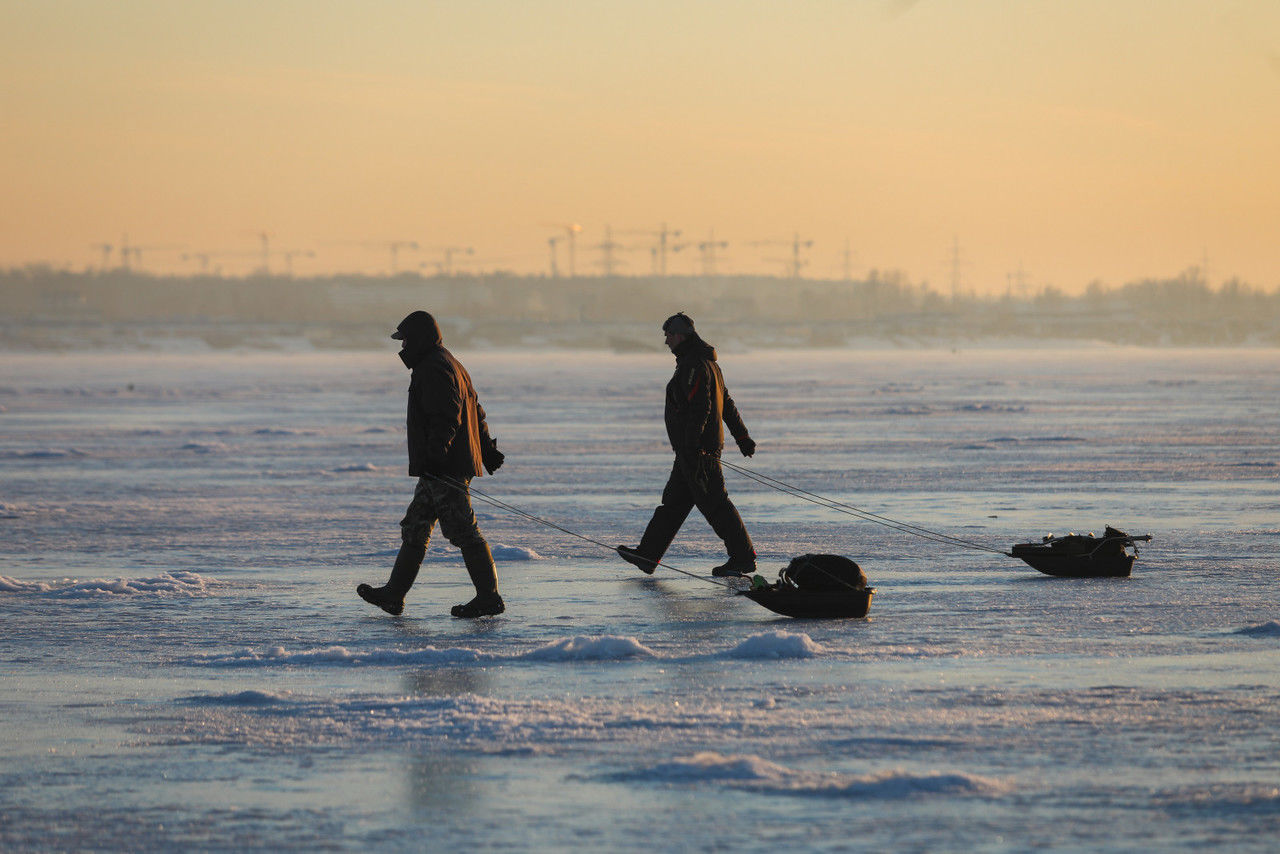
(43, 310)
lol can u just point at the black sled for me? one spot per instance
(1077, 556)
(815, 586)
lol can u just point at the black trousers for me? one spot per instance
(697, 482)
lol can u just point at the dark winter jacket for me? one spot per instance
(446, 427)
(697, 401)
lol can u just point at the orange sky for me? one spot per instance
(1079, 139)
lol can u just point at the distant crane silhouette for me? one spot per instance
(555, 269)
(105, 249)
(290, 254)
(266, 252)
(131, 254)
(708, 249)
(796, 263)
(445, 268)
(202, 257)
(571, 231)
(392, 248)
(661, 247)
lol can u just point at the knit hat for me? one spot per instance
(678, 324)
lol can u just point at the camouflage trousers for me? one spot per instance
(449, 502)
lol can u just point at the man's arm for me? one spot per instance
(699, 387)
(489, 453)
(733, 420)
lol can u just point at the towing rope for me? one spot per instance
(511, 508)
(865, 515)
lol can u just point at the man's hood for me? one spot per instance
(693, 347)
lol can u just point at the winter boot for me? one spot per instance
(484, 605)
(633, 556)
(389, 602)
(727, 524)
(734, 569)
(484, 577)
(479, 563)
(390, 597)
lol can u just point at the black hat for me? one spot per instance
(679, 324)
(418, 324)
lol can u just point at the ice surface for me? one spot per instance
(1269, 629)
(753, 774)
(169, 583)
(590, 649)
(778, 644)
(185, 666)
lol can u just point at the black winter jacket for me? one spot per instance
(447, 432)
(697, 402)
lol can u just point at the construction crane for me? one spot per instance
(132, 254)
(202, 257)
(708, 249)
(290, 254)
(795, 263)
(105, 249)
(266, 252)
(445, 267)
(392, 248)
(551, 244)
(659, 252)
(571, 231)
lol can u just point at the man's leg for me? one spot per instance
(713, 501)
(458, 524)
(677, 501)
(415, 532)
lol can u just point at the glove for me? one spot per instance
(492, 458)
(747, 445)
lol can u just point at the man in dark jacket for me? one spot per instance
(697, 403)
(449, 444)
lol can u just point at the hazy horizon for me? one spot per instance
(985, 145)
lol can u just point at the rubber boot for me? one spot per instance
(479, 561)
(728, 526)
(390, 597)
(635, 557)
(484, 577)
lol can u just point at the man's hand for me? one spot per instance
(492, 457)
(747, 445)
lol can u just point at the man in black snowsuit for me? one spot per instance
(449, 443)
(697, 403)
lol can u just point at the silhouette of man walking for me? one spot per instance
(696, 406)
(449, 444)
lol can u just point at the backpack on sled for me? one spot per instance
(823, 572)
(815, 586)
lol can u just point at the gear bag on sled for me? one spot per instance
(815, 586)
(823, 572)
